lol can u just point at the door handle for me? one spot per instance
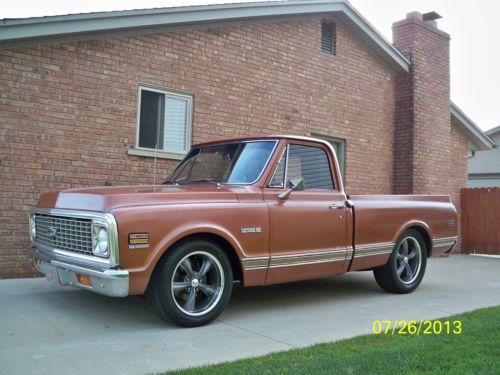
(336, 206)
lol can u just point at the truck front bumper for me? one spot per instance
(110, 282)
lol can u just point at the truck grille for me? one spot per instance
(64, 233)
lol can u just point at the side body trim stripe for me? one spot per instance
(373, 249)
(289, 260)
(337, 255)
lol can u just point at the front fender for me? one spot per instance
(142, 275)
(167, 225)
(188, 230)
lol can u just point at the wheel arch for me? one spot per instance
(423, 229)
(210, 235)
(224, 244)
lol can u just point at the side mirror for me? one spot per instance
(294, 184)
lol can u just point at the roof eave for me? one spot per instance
(55, 29)
(474, 134)
(492, 131)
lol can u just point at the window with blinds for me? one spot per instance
(328, 37)
(164, 121)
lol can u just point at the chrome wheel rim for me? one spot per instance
(197, 283)
(408, 260)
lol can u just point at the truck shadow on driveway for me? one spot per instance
(130, 313)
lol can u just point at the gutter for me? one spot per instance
(480, 139)
(25, 32)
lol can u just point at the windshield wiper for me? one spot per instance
(169, 182)
(205, 180)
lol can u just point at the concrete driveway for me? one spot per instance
(49, 330)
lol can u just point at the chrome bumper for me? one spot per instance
(443, 245)
(451, 248)
(109, 282)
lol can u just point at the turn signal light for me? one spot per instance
(84, 280)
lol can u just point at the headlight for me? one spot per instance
(100, 242)
(32, 227)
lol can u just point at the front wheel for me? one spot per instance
(405, 269)
(192, 284)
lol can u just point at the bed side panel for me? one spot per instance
(380, 220)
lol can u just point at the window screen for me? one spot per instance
(149, 124)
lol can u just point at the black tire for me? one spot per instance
(179, 306)
(390, 277)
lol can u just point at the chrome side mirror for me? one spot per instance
(294, 184)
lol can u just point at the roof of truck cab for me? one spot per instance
(262, 137)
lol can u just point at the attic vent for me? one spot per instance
(328, 37)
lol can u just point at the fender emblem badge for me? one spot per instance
(138, 240)
(251, 230)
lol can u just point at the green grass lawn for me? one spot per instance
(475, 351)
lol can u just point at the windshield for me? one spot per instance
(232, 163)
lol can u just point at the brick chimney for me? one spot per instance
(422, 129)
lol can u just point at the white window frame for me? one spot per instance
(161, 153)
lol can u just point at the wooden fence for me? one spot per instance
(481, 220)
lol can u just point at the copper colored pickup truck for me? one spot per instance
(259, 211)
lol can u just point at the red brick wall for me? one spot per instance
(425, 109)
(68, 111)
(403, 35)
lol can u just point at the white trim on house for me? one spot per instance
(478, 140)
(493, 131)
(56, 29)
(144, 152)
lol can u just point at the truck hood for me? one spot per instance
(105, 199)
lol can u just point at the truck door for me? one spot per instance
(308, 228)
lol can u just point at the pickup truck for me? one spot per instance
(260, 211)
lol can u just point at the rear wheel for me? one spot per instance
(193, 284)
(405, 269)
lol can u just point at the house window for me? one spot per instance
(328, 37)
(339, 145)
(164, 121)
(303, 162)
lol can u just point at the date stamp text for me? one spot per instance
(412, 327)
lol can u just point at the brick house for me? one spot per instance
(86, 98)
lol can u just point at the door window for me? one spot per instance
(304, 162)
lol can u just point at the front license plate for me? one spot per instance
(52, 275)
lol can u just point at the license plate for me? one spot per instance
(51, 275)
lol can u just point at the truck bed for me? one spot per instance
(379, 220)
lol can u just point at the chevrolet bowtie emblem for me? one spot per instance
(52, 232)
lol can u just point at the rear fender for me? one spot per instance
(419, 225)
